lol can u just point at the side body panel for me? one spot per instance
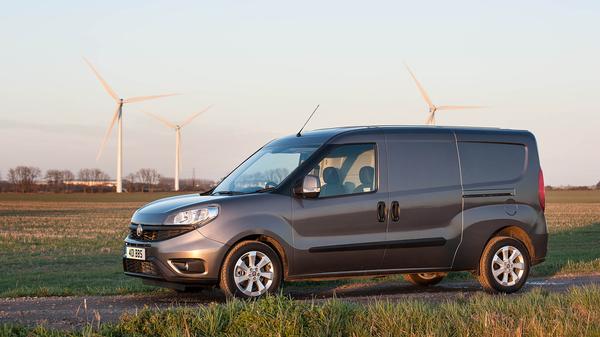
(251, 215)
(424, 178)
(337, 235)
(509, 200)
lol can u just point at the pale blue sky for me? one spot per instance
(265, 64)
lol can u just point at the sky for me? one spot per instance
(264, 65)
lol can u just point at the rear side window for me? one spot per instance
(423, 165)
(491, 163)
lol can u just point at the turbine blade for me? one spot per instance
(458, 107)
(112, 124)
(431, 119)
(145, 98)
(160, 119)
(191, 118)
(107, 87)
(421, 89)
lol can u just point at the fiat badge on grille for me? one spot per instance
(139, 230)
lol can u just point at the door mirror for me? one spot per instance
(310, 187)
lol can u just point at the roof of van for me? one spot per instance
(322, 135)
(337, 130)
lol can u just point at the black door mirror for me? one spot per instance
(309, 187)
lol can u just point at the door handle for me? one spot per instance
(395, 209)
(381, 211)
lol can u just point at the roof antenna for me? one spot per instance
(309, 117)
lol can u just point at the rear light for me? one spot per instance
(541, 190)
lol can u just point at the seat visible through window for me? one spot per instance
(333, 184)
(367, 177)
(347, 169)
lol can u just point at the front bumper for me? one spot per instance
(161, 257)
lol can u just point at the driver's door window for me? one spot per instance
(347, 169)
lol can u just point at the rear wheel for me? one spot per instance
(424, 279)
(250, 270)
(504, 265)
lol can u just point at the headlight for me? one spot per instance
(198, 216)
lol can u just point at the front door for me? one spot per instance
(341, 230)
(426, 200)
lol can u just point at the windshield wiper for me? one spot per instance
(266, 189)
(227, 193)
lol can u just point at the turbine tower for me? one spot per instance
(432, 107)
(117, 117)
(177, 128)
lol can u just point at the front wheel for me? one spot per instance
(504, 265)
(424, 279)
(250, 270)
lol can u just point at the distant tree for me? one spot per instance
(197, 185)
(277, 175)
(55, 180)
(598, 185)
(89, 178)
(12, 179)
(23, 177)
(67, 176)
(4, 186)
(84, 176)
(99, 175)
(149, 177)
(129, 182)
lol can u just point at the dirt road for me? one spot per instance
(72, 312)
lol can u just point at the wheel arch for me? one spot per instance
(516, 233)
(270, 241)
(482, 223)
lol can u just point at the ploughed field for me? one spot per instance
(70, 244)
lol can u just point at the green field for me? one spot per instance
(575, 313)
(67, 244)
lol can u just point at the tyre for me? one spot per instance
(250, 270)
(504, 265)
(424, 279)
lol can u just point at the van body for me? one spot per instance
(420, 201)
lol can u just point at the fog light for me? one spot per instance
(189, 266)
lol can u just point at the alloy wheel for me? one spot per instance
(253, 273)
(508, 266)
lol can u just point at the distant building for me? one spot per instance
(91, 183)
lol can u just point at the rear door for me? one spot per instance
(426, 200)
(341, 230)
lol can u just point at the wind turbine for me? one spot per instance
(177, 128)
(432, 107)
(117, 117)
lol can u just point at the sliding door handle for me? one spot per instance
(395, 210)
(381, 211)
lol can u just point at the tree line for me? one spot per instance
(25, 179)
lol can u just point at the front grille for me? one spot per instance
(157, 233)
(140, 267)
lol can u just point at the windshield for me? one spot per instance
(264, 170)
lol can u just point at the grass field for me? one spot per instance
(67, 244)
(575, 313)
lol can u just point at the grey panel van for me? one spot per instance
(418, 201)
